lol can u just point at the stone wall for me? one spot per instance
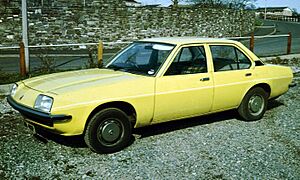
(112, 21)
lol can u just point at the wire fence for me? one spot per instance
(84, 55)
(58, 56)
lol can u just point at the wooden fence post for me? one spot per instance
(289, 43)
(22, 59)
(100, 54)
(252, 42)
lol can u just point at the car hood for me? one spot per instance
(73, 80)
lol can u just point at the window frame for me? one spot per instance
(179, 52)
(158, 71)
(236, 47)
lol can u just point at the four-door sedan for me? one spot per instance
(150, 81)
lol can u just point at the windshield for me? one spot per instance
(141, 58)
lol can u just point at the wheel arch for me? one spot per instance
(122, 105)
(254, 103)
(264, 86)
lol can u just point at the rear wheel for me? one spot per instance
(108, 131)
(254, 104)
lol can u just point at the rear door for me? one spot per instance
(186, 88)
(233, 74)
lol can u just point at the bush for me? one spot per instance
(6, 78)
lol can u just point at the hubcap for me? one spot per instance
(256, 104)
(110, 131)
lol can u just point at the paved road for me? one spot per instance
(263, 47)
(278, 46)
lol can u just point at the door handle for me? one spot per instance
(248, 74)
(204, 79)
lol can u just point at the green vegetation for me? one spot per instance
(258, 22)
(6, 78)
(235, 4)
(278, 60)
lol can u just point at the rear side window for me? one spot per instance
(226, 58)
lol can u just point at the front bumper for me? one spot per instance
(37, 116)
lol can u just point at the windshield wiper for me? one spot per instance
(133, 69)
(114, 67)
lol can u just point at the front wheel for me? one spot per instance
(108, 131)
(254, 104)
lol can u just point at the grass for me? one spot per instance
(278, 60)
(258, 22)
(7, 78)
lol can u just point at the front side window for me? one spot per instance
(227, 58)
(141, 58)
(189, 60)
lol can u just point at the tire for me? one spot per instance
(108, 131)
(254, 104)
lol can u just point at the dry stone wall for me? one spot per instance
(112, 21)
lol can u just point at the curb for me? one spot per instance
(5, 89)
(272, 33)
(289, 57)
(295, 69)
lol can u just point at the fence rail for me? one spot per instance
(260, 37)
(123, 42)
(10, 47)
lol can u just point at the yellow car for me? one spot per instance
(150, 81)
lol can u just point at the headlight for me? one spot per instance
(13, 90)
(43, 103)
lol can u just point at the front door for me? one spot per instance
(186, 88)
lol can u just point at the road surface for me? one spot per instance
(278, 46)
(262, 47)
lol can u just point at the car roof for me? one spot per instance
(187, 40)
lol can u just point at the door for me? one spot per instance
(186, 88)
(232, 76)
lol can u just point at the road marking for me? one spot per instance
(265, 27)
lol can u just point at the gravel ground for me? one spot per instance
(217, 146)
